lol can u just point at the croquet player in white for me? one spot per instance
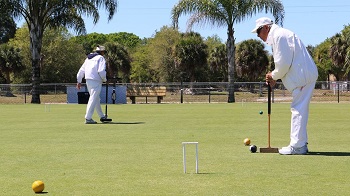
(298, 72)
(94, 72)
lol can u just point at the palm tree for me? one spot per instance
(7, 28)
(225, 13)
(338, 53)
(10, 61)
(251, 60)
(190, 54)
(321, 55)
(119, 62)
(217, 61)
(41, 14)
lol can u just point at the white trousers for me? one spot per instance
(94, 88)
(300, 114)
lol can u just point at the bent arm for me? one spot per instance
(102, 69)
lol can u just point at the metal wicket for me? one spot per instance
(47, 107)
(184, 154)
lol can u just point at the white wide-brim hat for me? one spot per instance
(261, 22)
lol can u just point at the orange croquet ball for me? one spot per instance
(246, 141)
(38, 186)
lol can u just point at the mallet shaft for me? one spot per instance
(268, 112)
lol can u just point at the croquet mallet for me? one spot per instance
(269, 149)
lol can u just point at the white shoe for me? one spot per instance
(90, 121)
(290, 150)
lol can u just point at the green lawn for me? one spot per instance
(141, 152)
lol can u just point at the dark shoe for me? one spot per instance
(102, 119)
(105, 119)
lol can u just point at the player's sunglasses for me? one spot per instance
(259, 29)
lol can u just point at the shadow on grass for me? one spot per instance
(205, 173)
(200, 173)
(42, 193)
(123, 123)
(334, 154)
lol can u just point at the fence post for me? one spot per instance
(181, 90)
(260, 89)
(338, 91)
(273, 94)
(209, 93)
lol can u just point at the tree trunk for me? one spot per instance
(347, 83)
(231, 64)
(7, 77)
(36, 35)
(35, 82)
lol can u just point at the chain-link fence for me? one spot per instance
(196, 92)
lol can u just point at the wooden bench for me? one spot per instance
(143, 91)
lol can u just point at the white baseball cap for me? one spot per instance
(261, 22)
(100, 48)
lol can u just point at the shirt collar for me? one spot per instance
(269, 39)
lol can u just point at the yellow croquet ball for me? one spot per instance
(38, 186)
(246, 141)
